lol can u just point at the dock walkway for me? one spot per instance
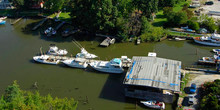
(42, 22)
(17, 20)
(60, 25)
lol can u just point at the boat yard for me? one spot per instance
(149, 76)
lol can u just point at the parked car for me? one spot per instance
(193, 88)
(191, 99)
(209, 3)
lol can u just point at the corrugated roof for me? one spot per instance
(154, 72)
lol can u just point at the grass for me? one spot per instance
(183, 34)
(65, 16)
(185, 80)
(160, 18)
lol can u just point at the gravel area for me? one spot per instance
(215, 7)
(200, 79)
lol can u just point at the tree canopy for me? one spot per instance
(16, 99)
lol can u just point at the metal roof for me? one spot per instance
(154, 72)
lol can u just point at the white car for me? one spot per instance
(191, 99)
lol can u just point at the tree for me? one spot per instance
(145, 25)
(167, 11)
(17, 3)
(16, 99)
(193, 25)
(177, 18)
(54, 5)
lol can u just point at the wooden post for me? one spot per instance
(41, 51)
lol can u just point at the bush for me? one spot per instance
(193, 25)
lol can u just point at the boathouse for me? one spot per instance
(153, 78)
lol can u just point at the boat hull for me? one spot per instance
(206, 43)
(150, 105)
(3, 22)
(75, 65)
(36, 58)
(106, 70)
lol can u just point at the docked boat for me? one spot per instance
(55, 51)
(154, 104)
(216, 50)
(179, 39)
(213, 40)
(208, 60)
(46, 59)
(85, 54)
(113, 66)
(2, 22)
(50, 31)
(76, 63)
(2, 18)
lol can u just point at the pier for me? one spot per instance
(17, 20)
(39, 24)
(107, 42)
(60, 25)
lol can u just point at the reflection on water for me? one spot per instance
(103, 91)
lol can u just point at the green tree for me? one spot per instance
(193, 25)
(145, 25)
(17, 3)
(167, 11)
(54, 5)
(16, 99)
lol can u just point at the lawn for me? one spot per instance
(65, 16)
(183, 34)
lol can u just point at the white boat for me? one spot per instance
(179, 39)
(76, 63)
(154, 104)
(55, 51)
(2, 22)
(213, 40)
(208, 60)
(2, 18)
(113, 66)
(85, 54)
(50, 31)
(216, 50)
(46, 59)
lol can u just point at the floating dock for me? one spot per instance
(60, 25)
(39, 24)
(17, 20)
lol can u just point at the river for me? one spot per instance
(103, 91)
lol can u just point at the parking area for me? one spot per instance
(215, 9)
(198, 80)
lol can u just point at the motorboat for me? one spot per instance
(85, 54)
(154, 104)
(216, 50)
(2, 22)
(113, 66)
(213, 40)
(2, 18)
(46, 59)
(55, 51)
(208, 60)
(179, 39)
(76, 62)
(50, 31)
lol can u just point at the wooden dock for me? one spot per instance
(60, 25)
(39, 24)
(17, 20)
(105, 42)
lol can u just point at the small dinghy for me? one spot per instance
(2, 18)
(216, 50)
(55, 51)
(85, 54)
(154, 104)
(179, 39)
(2, 22)
(76, 63)
(46, 59)
(50, 31)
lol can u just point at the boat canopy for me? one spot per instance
(116, 61)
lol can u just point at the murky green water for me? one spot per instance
(104, 91)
